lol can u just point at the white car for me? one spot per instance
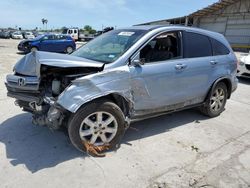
(17, 35)
(244, 67)
(29, 35)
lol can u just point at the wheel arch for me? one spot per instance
(224, 80)
(124, 104)
(34, 46)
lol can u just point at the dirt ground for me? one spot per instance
(184, 149)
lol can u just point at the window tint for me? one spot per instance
(48, 37)
(60, 37)
(75, 31)
(163, 47)
(219, 48)
(196, 45)
(70, 31)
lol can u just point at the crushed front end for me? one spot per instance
(39, 78)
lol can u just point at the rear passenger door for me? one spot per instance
(201, 66)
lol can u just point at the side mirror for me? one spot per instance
(137, 61)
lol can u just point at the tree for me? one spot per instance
(89, 29)
(44, 21)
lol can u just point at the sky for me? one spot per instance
(27, 14)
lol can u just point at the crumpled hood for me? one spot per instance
(30, 64)
(28, 40)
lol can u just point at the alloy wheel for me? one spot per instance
(98, 128)
(217, 100)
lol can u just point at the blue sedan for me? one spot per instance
(49, 43)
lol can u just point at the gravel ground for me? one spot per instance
(184, 149)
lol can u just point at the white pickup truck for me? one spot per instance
(77, 35)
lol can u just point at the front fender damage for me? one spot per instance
(88, 88)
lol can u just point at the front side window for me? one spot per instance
(163, 47)
(110, 46)
(196, 45)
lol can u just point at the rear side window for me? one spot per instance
(219, 48)
(196, 45)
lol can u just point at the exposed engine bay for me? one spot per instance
(36, 90)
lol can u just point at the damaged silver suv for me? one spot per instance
(122, 76)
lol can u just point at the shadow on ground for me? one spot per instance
(243, 80)
(21, 53)
(35, 147)
(39, 148)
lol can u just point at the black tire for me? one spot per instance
(88, 109)
(69, 50)
(209, 109)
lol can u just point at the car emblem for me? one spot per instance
(21, 82)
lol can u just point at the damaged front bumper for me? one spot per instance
(46, 112)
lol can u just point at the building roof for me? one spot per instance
(212, 8)
(202, 12)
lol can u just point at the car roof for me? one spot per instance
(178, 27)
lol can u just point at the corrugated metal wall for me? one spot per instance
(233, 22)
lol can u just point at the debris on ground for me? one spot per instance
(192, 182)
(95, 151)
(195, 148)
(197, 121)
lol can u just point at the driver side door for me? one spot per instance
(48, 43)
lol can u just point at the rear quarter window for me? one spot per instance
(219, 48)
(196, 45)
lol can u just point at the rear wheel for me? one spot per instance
(69, 50)
(217, 101)
(98, 123)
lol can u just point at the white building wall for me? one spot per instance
(233, 22)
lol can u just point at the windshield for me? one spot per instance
(109, 46)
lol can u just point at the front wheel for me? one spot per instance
(98, 123)
(216, 101)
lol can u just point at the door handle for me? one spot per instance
(213, 62)
(180, 66)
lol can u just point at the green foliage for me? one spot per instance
(89, 29)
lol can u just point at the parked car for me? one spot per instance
(244, 67)
(49, 43)
(29, 35)
(122, 76)
(17, 35)
(5, 34)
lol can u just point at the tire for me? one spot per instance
(33, 49)
(69, 50)
(83, 122)
(216, 101)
